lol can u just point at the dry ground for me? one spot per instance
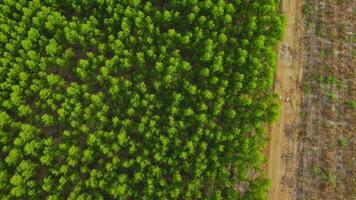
(312, 150)
(283, 143)
(327, 168)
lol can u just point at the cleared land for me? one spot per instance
(327, 140)
(312, 149)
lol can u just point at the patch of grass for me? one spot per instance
(307, 88)
(351, 104)
(329, 69)
(342, 142)
(331, 96)
(330, 177)
(323, 173)
(331, 145)
(353, 37)
(353, 52)
(316, 170)
(326, 79)
(302, 114)
(331, 80)
(316, 77)
(340, 1)
(325, 52)
(318, 32)
(308, 10)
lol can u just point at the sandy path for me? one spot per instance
(283, 141)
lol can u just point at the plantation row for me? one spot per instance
(136, 99)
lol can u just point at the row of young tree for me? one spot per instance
(136, 99)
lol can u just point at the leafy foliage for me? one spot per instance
(135, 99)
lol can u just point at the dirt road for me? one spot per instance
(283, 134)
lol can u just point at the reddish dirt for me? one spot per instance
(312, 149)
(327, 167)
(283, 134)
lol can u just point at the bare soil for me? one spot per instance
(327, 167)
(283, 162)
(312, 150)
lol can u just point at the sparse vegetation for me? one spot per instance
(327, 168)
(330, 177)
(343, 142)
(316, 170)
(331, 96)
(351, 104)
(308, 10)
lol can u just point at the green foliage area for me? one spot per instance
(308, 10)
(351, 104)
(135, 99)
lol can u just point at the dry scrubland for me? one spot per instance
(317, 157)
(327, 167)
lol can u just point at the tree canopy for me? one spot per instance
(136, 99)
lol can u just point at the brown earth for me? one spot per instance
(283, 134)
(327, 140)
(312, 148)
